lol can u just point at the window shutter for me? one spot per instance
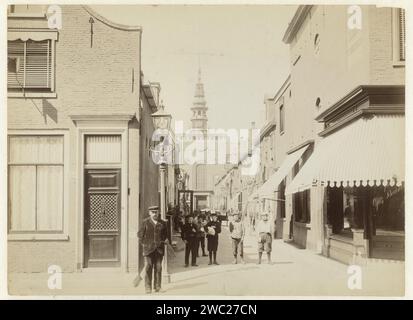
(15, 64)
(38, 58)
(402, 34)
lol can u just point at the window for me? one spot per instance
(316, 43)
(282, 118)
(341, 204)
(318, 103)
(240, 202)
(27, 10)
(36, 184)
(281, 202)
(302, 206)
(263, 174)
(105, 149)
(29, 66)
(399, 36)
(387, 210)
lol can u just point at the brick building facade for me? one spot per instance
(78, 150)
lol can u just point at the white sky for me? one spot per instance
(241, 53)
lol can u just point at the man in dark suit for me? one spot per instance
(190, 236)
(213, 228)
(153, 237)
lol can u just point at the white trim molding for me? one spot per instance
(102, 120)
(397, 62)
(101, 125)
(28, 94)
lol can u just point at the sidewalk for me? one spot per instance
(294, 272)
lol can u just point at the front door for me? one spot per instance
(102, 232)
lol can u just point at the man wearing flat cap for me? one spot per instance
(153, 236)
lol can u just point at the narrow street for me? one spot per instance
(293, 272)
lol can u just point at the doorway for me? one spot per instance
(102, 219)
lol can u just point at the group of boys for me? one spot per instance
(194, 231)
(265, 230)
(153, 236)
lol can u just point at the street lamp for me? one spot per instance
(162, 121)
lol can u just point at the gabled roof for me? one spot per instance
(109, 23)
(296, 23)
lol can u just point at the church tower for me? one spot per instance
(199, 108)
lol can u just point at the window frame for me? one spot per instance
(35, 35)
(302, 206)
(28, 14)
(397, 62)
(282, 118)
(45, 235)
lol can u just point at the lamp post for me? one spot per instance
(162, 121)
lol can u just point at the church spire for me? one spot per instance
(199, 117)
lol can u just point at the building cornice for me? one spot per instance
(109, 23)
(102, 118)
(281, 90)
(268, 127)
(147, 91)
(363, 100)
(292, 150)
(296, 23)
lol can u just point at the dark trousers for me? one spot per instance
(153, 264)
(202, 245)
(191, 248)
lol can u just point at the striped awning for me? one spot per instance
(35, 35)
(367, 152)
(267, 190)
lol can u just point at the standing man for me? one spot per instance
(265, 230)
(153, 236)
(190, 236)
(237, 229)
(214, 228)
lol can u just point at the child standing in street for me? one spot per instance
(237, 229)
(264, 231)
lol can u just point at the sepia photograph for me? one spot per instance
(205, 150)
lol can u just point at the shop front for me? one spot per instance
(354, 181)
